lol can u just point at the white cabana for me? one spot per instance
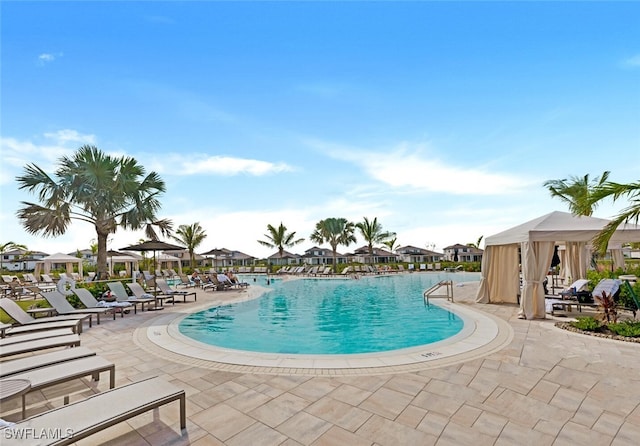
(536, 239)
(130, 262)
(46, 264)
(169, 260)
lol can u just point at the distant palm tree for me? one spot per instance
(391, 244)
(191, 236)
(476, 244)
(373, 234)
(91, 186)
(629, 214)
(335, 231)
(9, 246)
(577, 192)
(280, 238)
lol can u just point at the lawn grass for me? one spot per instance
(25, 305)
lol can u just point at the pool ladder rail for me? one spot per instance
(435, 291)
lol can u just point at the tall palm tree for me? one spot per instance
(191, 236)
(577, 192)
(280, 238)
(629, 214)
(373, 234)
(9, 246)
(392, 244)
(96, 188)
(335, 231)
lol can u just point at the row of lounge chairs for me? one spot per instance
(43, 369)
(578, 295)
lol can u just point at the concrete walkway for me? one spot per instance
(547, 386)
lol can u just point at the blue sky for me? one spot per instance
(442, 119)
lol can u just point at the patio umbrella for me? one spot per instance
(215, 253)
(153, 246)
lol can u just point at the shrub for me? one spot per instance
(627, 328)
(586, 323)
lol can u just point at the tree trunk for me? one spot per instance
(103, 269)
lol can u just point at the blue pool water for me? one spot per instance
(316, 316)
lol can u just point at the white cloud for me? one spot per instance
(66, 135)
(45, 58)
(411, 166)
(633, 61)
(228, 166)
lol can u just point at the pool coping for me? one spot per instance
(482, 334)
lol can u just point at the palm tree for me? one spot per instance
(280, 238)
(392, 244)
(191, 236)
(577, 192)
(335, 231)
(476, 244)
(6, 247)
(373, 234)
(629, 214)
(97, 188)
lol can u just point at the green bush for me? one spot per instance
(627, 328)
(586, 323)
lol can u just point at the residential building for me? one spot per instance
(413, 254)
(462, 253)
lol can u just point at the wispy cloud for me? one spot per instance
(46, 58)
(320, 89)
(66, 135)
(160, 19)
(227, 166)
(18, 153)
(413, 166)
(633, 61)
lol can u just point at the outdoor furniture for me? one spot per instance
(98, 412)
(10, 388)
(63, 307)
(70, 340)
(22, 317)
(42, 360)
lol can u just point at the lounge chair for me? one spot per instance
(74, 326)
(117, 288)
(627, 286)
(70, 340)
(185, 281)
(46, 278)
(28, 337)
(573, 289)
(42, 360)
(23, 318)
(63, 372)
(100, 411)
(140, 295)
(167, 291)
(62, 306)
(89, 301)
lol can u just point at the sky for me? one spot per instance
(442, 119)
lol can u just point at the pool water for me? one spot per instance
(319, 316)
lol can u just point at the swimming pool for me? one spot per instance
(319, 316)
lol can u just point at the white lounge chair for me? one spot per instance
(19, 348)
(122, 296)
(42, 360)
(23, 318)
(101, 411)
(62, 306)
(89, 301)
